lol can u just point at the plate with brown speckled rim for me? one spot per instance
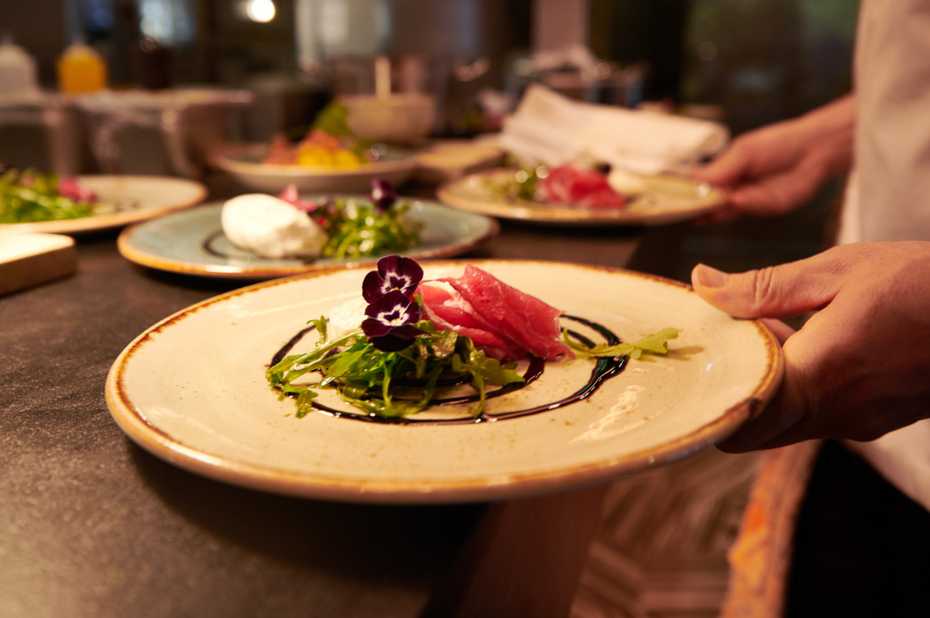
(245, 163)
(192, 390)
(666, 199)
(129, 199)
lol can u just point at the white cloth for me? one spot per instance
(888, 197)
(552, 129)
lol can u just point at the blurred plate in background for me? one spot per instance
(667, 199)
(135, 198)
(193, 243)
(244, 164)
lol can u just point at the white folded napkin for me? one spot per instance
(551, 129)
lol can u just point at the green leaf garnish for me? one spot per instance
(396, 384)
(357, 229)
(28, 196)
(320, 325)
(655, 343)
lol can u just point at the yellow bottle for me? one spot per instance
(81, 69)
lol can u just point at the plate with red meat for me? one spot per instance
(446, 381)
(576, 194)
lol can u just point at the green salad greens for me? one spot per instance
(28, 196)
(389, 383)
(519, 185)
(399, 361)
(358, 228)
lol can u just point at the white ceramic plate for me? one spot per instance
(667, 199)
(192, 390)
(244, 163)
(138, 198)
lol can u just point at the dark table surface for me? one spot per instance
(91, 525)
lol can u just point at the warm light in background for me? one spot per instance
(261, 11)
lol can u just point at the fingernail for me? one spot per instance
(710, 277)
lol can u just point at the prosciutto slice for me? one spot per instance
(500, 319)
(579, 187)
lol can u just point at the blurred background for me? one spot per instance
(746, 62)
(152, 86)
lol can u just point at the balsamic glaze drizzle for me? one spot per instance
(604, 369)
(208, 245)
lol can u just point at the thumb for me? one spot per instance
(776, 291)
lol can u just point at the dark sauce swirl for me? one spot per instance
(604, 369)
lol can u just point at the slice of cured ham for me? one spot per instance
(500, 319)
(579, 187)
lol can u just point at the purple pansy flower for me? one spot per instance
(395, 273)
(383, 194)
(390, 325)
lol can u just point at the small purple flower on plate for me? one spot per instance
(383, 194)
(395, 273)
(391, 319)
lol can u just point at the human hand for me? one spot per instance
(860, 367)
(776, 169)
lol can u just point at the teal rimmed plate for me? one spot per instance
(192, 243)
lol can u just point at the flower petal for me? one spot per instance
(374, 328)
(387, 303)
(383, 194)
(413, 313)
(407, 331)
(390, 343)
(371, 286)
(399, 273)
(388, 264)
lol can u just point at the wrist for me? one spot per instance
(834, 119)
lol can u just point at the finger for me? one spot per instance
(783, 192)
(779, 416)
(851, 424)
(776, 291)
(787, 410)
(781, 330)
(727, 169)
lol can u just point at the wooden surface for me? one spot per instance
(92, 526)
(27, 260)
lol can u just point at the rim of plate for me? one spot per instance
(225, 161)
(474, 489)
(562, 215)
(151, 260)
(96, 223)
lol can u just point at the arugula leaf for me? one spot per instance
(357, 229)
(654, 343)
(28, 196)
(320, 325)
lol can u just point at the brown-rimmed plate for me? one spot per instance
(129, 199)
(192, 390)
(244, 162)
(666, 199)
